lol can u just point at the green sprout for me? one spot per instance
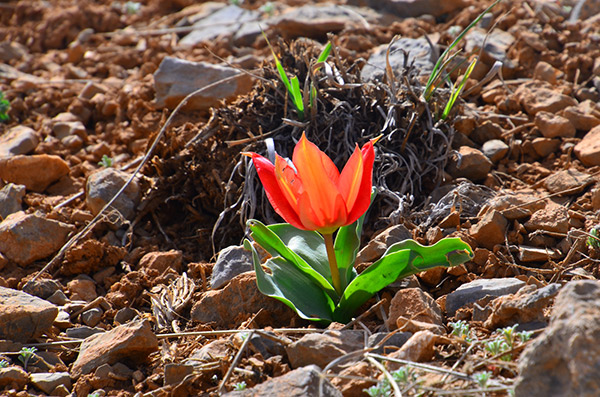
(524, 336)
(4, 106)
(404, 375)
(438, 74)
(498, 346)
(132, 7)
(267, 8)
(593, 239)
(95, 394)
(240, 386)
(236, 2)
(461, 330)
(106, 161)
(482, 378)
(509, 335)
(3, 363)
(25, 355)
(292, 85)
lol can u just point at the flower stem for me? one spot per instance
(333, 267)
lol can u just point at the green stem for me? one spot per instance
(333, 267)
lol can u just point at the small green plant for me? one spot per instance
(461, 330)
(240, 386)
(524, 336)
(95, 394)
(25, 355)
(593, 239)
(292, 85)
(498, 346)
(404, 376)
(267, 8)
(4, 106)
(482, 378)
(236, 2)
(3, 363)
(509, 335)
(106, 161)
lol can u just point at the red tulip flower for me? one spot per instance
(311, 194)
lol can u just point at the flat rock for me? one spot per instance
(584, 116)
(495, 149)
(47, 382)
(538, 96)
(396, 340)
(301, 382)
(412, 8)
(176, 78)
(321, 349)
(18, 140)
(42, 287)
(101, 186)
(380, 243)
(490, 230)
(495, 48)
(24, 317)
(232, 261)
(419, 348)
(588, 150)
(516, 206)
(545, 72)
(416, 305)
(569, 181)
(526, 306)
(552, 218)
(544, 146)
(418, 51)
(13, 376)
(235, 302)
(534, 254)
(131, 342)
(554, 126)
(477, 289)
(565, 359)
(11, 197)
(25, 238)
(161, 261)
(25, 170)
(470, 163)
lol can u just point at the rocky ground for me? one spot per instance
(152, 295)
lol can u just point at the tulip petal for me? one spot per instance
(321, 191)
(313, 221)
(363, 199)
(351, 178)
(266, 172)
(288, 181)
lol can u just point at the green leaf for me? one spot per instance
(306, 254)
(289, 285)
(400, 260)
(296, 94)
(325, 53)
(456, 93)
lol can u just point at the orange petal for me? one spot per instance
(266, 172)
(363, 198)
(314, 169)
(288, 181)
(351, 178)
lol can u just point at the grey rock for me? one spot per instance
(412, 8)
(47, 381)
(321, 349)
(18, 140)
(495, 150)
(496, 45)
(64, 129)
(176, 78)
(477, 289)
(23, 317)
(223, 22)
(133, 341)
(534, 254)
(42, 288)
(92, 317)
(265, 346)
(25, 238)
(58, 298)
(125, 314)
(101, 186)
(83, 332)
(11, 197)
(301, 382)
(13, 375)
(565, 359)
(232, 261)
(395, 340)
(419, 53)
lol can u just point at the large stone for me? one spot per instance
(18, 140)
(538, 96)
(25, 238)
(553, 218)
(23, 317)
(101, 187)
(129, 343)
(470, 163)
(47, 382)
(11, 197)
(415, 305)
(13, 376)
(301, 382)
(321, 349)
(565, 359)
(569, 181)
(490, 230)
(418, 51)
(584, 116)
(516, 206)
(475, 290)
(495, 48)
(231, 261)
(588, 150)
(412, 8)
(176, 78)
(36, 172)
(554, 126)
(495, 149)
(378, 245)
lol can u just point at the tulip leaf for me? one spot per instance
(290, 285)
(400, 260)
(303, 248)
